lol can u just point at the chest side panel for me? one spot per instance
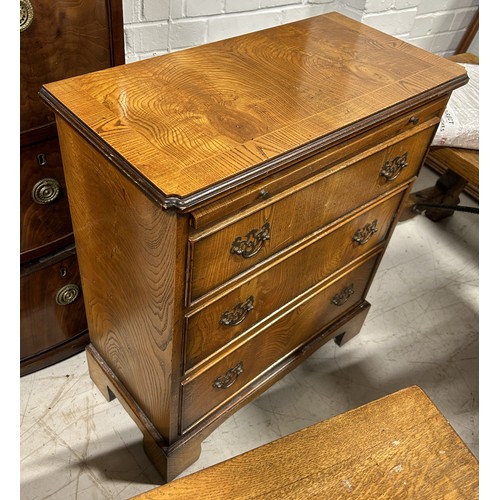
(127, 249)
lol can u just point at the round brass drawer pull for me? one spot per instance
(342, 297)
(45, 191)
(238, 313)
(253, 242)
(363, 235)
(229, 378)
(392, 168)
(67, 294)
(26, 14)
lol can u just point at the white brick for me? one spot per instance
(176, 9)
(357, 15)
(319, 1)
(188, 33)
(129, 58)
(442, 22)
(460, 4)
(446, 41)
(347, 5)
(156, 10)
(297, 13)
(422, 26)
(392, 23)
(131, 11)
(405, 4)
(149, 55)
(463, 19)
(378, 5)
(405, 37)
(230, 25)
(147, 37)
(128, 35)
(265, 4)
(423, 42)
(428, 6)
(204, 7)
(293, 14)
(241, 5)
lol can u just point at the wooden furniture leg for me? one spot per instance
(170, 462)
(446, 191)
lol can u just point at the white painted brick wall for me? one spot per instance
(154, 27)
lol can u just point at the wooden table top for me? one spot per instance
(398, 447)
(212, 117)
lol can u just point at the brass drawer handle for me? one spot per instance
(237, 314)
(392, 168)
(67, 294)
(26, 17)
(252, 243)
(363, 235)
(342, 297)
(45, 191)
(229, 378)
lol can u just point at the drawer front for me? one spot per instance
(45, 217)
(52, 308)
(215, 386)
(408, 123)
(223, 320)
(230, 250)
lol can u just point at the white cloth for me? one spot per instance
(459, 126)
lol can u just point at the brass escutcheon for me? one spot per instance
(45, 191)
(67, 294)
(26, 14)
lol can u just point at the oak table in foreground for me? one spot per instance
(398, 447)
(231, 204)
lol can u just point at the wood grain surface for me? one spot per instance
(397, 447)
(44, 227)
(291, 329)
(127, 250)
(165, 162)
(66, 38)
(334, 244)
(45, 324)
(197, 121)
(285, 212)
(344, 153)
(270, 291)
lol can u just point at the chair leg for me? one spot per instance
(446, 191)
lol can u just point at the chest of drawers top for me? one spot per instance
(189, 126)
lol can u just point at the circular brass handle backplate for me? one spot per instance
(45, 191)
(26, 14)
(67, 294)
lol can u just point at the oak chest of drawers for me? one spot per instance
(231, 204)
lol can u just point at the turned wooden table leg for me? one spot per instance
(446, 191)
